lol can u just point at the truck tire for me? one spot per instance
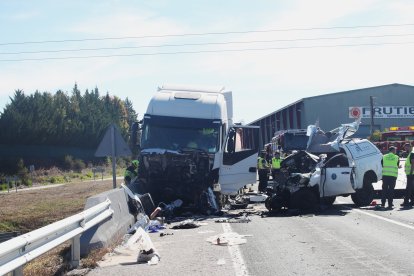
(305, 199)
(328, 200)
(363, 197)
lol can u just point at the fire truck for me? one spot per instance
(397, 137)
(288, 140)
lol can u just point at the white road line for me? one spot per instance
(239, 265)
(377, 216)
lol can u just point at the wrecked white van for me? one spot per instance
(333, 165)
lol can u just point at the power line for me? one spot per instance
(203, 44)
(206, 51)
(203, 34)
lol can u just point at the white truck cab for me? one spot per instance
(189, 145)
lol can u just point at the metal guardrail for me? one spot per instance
(18, 251)
(5, 236)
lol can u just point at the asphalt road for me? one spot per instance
(341, 240)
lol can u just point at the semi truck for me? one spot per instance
(191, 150)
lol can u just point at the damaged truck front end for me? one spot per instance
(170, 175)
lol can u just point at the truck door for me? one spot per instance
(336, 178)
(238, 165)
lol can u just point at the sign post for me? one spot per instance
(113, 145)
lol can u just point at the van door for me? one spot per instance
(337, 176)
(238, 165)
(336, 181)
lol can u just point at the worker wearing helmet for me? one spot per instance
(131, 172)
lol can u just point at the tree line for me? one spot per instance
(63, 119)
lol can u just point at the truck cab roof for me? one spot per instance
(192, 102)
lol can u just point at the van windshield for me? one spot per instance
(173, 133)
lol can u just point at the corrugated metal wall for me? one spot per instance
(333, 109)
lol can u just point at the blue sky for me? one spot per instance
(261, 81)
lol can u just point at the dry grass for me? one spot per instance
(28, 210)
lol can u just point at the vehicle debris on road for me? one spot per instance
(187, 224)
(230, 238)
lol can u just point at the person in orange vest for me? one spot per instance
(409, 167)
(390, 164)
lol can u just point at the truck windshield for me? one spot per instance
(173, 133)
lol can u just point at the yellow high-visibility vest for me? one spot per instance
(408, 164)
(390, 165)
(260, 163)
(276, 163)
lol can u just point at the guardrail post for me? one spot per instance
(18, 271)
(75, 252)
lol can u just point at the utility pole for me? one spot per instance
(371, 101)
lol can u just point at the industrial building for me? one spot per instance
(393, 105)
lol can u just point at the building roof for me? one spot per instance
(329, 94)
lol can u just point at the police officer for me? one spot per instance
(390, 164)
(409, 166)
(276, 161)
(263, 168)
(131, 172)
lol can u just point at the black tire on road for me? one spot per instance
(363, 197)
(305, 199)
(274, 203)
(328, 200)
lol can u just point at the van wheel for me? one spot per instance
(305, 199)
(364, 196)
(328, 200)
(274, 203)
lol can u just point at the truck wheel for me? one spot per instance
(328, 200)
(364, 196)
(305, 199)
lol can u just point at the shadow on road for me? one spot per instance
(335, 210)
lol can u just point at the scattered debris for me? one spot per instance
(155, 212)
(239, 202)
(154, 260)
(166, 234)
(142, 222)
(187, 224)
(137, 249)
(230, 238)
(257, 198)
(155, 226)
(168, 209)
(242, 219)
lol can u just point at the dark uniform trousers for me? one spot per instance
(388, 185)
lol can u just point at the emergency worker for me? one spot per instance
(276, 161)
(263, 168)
(409, 166)
(131, 172)
(390, 164)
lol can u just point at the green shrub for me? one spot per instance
(79, 165)
(3, 187)
(68, 162)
